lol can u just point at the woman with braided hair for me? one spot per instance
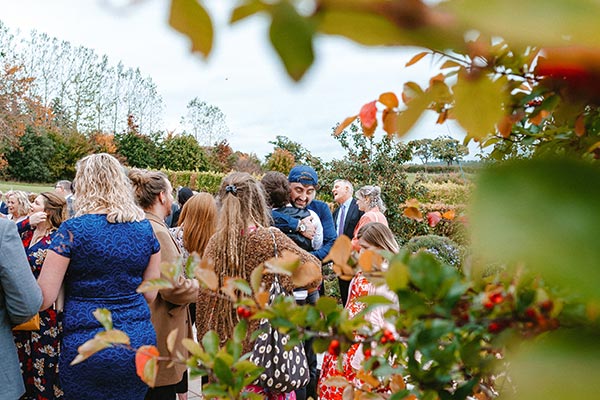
(242, 242)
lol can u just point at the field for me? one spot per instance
(5, 186)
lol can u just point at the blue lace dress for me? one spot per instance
(107, 263)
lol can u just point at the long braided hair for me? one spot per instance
(242, 207)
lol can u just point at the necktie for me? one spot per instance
(341, 223)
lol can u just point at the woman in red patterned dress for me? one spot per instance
(373, 236)
(38, 350)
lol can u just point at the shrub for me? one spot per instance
(447, 192)
(443, 248)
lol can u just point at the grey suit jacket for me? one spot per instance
(20, 299)
(352, 216)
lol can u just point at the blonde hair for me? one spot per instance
(102, 187)
(22, 203)
(148, 185)
(378, 235)
(373, 194)
(199, 221)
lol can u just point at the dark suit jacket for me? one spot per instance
(352, 216)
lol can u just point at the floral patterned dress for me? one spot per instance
(38, 350)
(359, 286)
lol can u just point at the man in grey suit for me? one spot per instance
(346, 217)
(20, 299)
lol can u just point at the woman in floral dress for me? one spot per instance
(38, 350)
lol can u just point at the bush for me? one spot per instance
(447, 192)
(443, 248)
(435, 169)
(207, 181)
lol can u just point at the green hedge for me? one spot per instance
(199, 181)
(438, 169)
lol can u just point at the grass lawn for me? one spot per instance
(5, 186)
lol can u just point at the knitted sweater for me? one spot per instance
(259, 248)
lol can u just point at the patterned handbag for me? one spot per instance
(285, 369)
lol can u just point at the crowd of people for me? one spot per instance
(90, 243)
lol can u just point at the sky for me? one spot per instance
(242, 76)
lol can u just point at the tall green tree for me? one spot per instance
(183, 153)
(29, 160)
(448, 150)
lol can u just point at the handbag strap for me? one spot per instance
(276, 278)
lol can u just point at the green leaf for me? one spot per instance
(544, 213)
(210, 342)
(426, 273)
(191, 19)
(537, 22)
(478, 104)
(247, 9)
(154, 284)
(326, 305)
(375, 30)
(104, 317)
(397, 276)
(291, 36)
(240, 331)
(223, 372)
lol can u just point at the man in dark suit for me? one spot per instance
(3, 205)
(346, 217)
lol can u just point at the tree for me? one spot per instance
(205, 122)
(422, 148)
(449, 150)
(280, 160)
(29, 160)
(183, 153)
(140, 151)
(221, 157)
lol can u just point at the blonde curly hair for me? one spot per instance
(101, 186)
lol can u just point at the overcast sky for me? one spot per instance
(242, 76)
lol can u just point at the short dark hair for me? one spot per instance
(277, 188)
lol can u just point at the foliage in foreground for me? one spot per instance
(450, 337)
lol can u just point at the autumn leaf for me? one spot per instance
(88, 349)
(306, 274)
(416, 58)
(368, 115)
(449, 215)
(410, 91)
(336, 381)
(390, 121)
(368, 378)
(208, 278)
(450, 64)
(413, 213)
(146, 360)
(340, 251)
(397, 383)
(104, 317)
(285, 264)
(171, 339)
(505, 126)
(442, 117)
(344, 124)
(154, 284)
(113, 336)
(262, 298)
(580, 125)
(191, 19)
(229, 288)
(369, 259)
(433, 218)
(389, 99)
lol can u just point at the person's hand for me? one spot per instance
(310, 229)
(37, 217)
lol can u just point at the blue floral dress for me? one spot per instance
(38, 350)
(107, 263)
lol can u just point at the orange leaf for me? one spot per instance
(389, 99)
(505, 126)
(410, 91)
(344, 124)
(146, 359)
(306, 274)
(369, 259)
(368, 378)
(449, 215)
(340, 251)
(262, 298)
(442, 117)
(390, 119)
(412, 203)
(450, 64)
(539, 117)
(397, 383)
(413, 213)
(208, 278)
(438, 78)
(433, 218)
(369, 131)
(416, 58)
(368, 115)
(580, 125)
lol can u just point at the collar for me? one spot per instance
(347, 203)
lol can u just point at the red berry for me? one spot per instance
(530, 313)
(243, 312)
(367, 352)
(546, 306)
(496, 298)
(334, 347)
(489, 305)
(389, 335)
(495, 327)
(383, 340)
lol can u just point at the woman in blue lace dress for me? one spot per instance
(102, 255)
(38, 350)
